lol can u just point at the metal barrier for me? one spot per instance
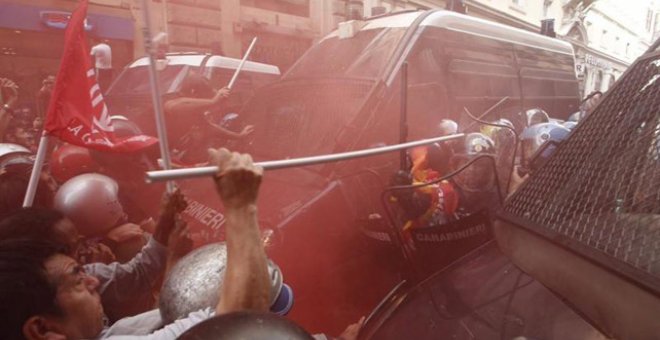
(438, 243)
(599, 194)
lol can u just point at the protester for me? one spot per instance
(125, 288)
(8, 99)
(14, 179)
(47, 294)
(102, 53)
(43, 97)
(187, 116)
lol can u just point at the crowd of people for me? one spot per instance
(449, 181)
(87, 262)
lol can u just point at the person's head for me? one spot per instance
(502, 133)
(439, 157)
(447, 127)
(48, 83)
(536, 116)
(46, 294)
(479, 175)
(20, 132)
(41, 224)
(591, 101)
(534, 137)
(14, 179)
(196, 86)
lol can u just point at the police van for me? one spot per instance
(130, 93)
(344, 94)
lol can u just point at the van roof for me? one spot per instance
(471, 25)
(213, 61)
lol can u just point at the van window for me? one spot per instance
(299, 118)
(548, 81)
(364, 55)
(427, 87)
(135, 80)
(246, 84)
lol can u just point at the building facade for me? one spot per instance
(607, 35)
(32, 38)
(285, 28)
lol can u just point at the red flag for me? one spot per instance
(77, 112)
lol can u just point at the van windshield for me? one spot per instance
(363, 56)
(135, 80)
(301, 118)
(316, 102)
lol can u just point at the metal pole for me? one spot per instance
(487, 112)
(168, 175)
(240, 66)
(36, 171)
(155, 94)
(403, 118)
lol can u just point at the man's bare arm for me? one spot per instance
(189, 105)
(246, 283)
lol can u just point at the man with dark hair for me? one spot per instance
(46, 294)
(125, 288)
(27, 289)
(37, 223)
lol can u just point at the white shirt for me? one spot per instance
(103, 54)
(147, 326)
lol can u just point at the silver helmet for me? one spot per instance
(536, 116)
(195, 281)
(9, 151)
(479, 175)
(91, 201)
(447, 127)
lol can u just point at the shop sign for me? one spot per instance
(59, 19)
(579, 69)
(591, 60)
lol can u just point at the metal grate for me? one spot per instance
(600, 192)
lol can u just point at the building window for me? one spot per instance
(617, 45)
(603, 38)
(598, 80)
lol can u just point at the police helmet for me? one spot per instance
(447, 127)
(479, 175)
(91, 201)
(536, 116)
(9, 151)
(535, 136)
(68, 161)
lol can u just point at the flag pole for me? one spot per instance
(240, 65)
(155, 94)
(36, 171)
